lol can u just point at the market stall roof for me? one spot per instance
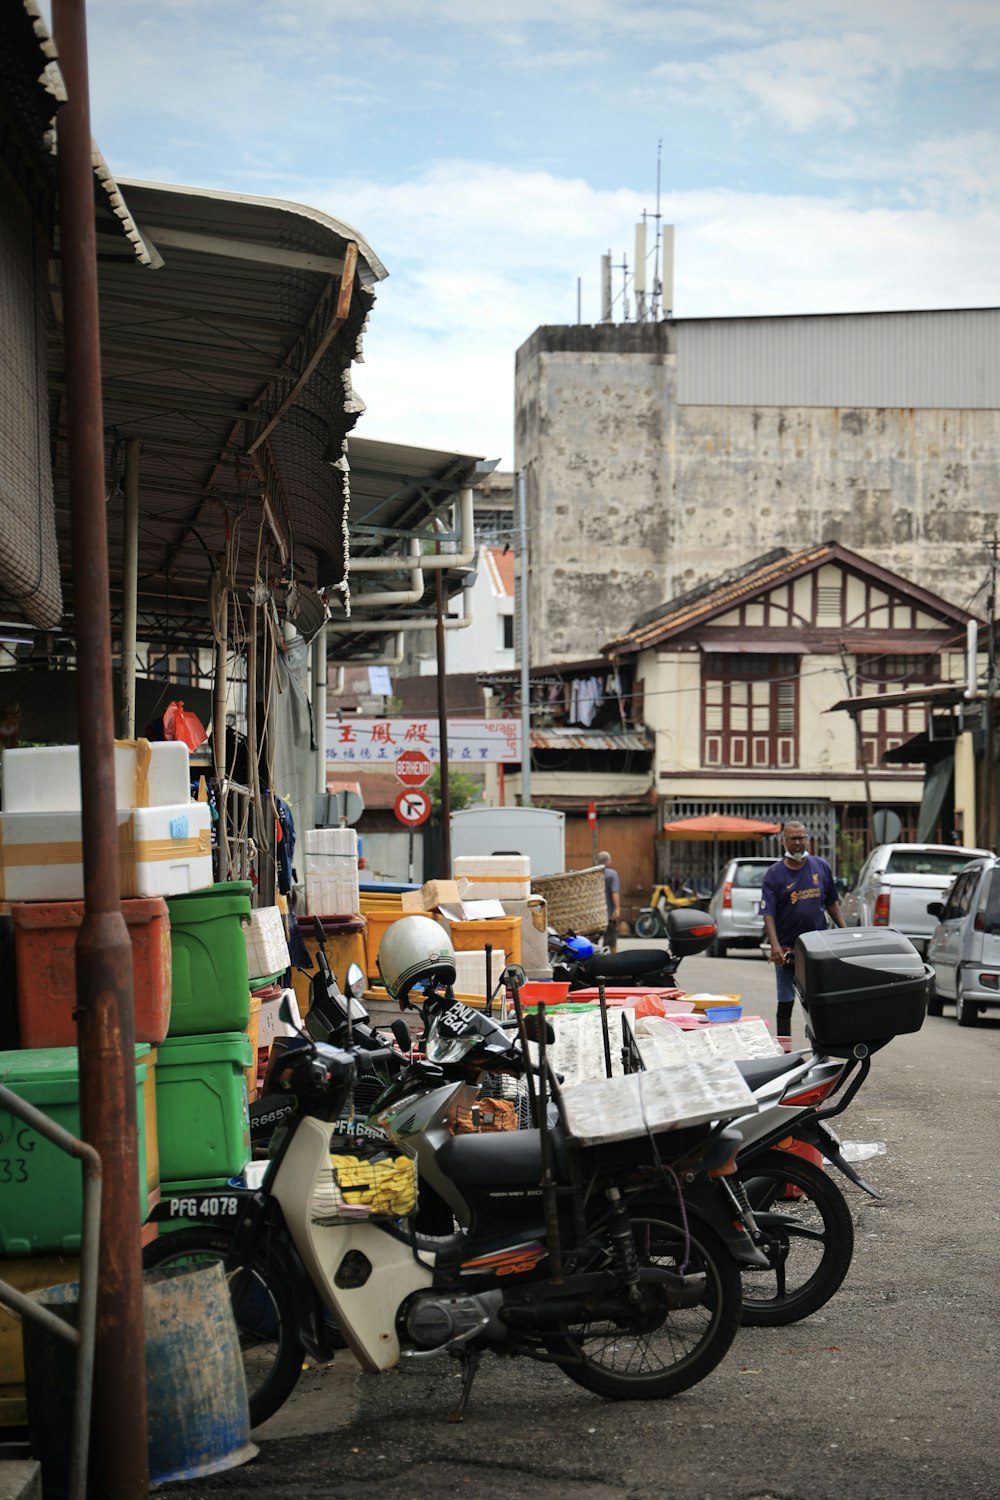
(229, 357)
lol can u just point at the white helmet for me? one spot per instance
(415, 950)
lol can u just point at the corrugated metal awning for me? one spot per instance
(572, 738)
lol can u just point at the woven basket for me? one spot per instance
(576, 901)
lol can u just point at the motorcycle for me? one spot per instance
(580, 963)
(652, 919)
(572, 1249)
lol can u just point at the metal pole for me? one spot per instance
(522, 620)
(319, 705)
(105, 1021)
(130, 587)
(219, 728)
(442, 697)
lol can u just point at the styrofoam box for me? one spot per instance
(270, 1024)
(497, 877)
(267, 946)
(47, 777)
(342, 842)
(164, 851)
(470, 971)
(332, 892)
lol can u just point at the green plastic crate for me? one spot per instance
(202, 1110)
(41, 1188)
(210, 985)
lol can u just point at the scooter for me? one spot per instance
(652, 919)
(582, 965)
(567, 1235)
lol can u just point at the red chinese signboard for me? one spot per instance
(413, 767)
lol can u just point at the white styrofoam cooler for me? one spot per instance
(46, 778)
(163, 851)
(495, 877)
(331, 871)
(470, 971)
(267, 946)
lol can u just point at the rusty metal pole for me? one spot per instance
(442, 700)
(105, 1022)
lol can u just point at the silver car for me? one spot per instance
(964, 950)
(735, 906)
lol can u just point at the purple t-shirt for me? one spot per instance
(798, 899)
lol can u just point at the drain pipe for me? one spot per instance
(389, 597)
(465, 555)
(391, 627)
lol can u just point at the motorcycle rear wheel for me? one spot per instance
(647, 925)
(685, 1345)
(262, 1307)
(809, 1239)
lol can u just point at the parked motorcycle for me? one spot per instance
(576, 1254)
(652, 919)
(581, 964)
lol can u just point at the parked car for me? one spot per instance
(897, 881)
(964, 950)
(735, 906)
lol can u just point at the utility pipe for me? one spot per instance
(460, 559)
(130, 588)
(104, 1002)
(442, 703)
(386, 597)
(392, 627)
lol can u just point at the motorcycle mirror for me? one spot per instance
(514, 974)
(354, 981)
(319, 931)
(401, 1032)
(289, 1011)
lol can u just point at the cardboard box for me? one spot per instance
(432, 894)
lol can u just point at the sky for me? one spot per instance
(839, 155)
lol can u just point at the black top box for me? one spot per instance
(859, 985)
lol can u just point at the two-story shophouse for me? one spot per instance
(737, 680)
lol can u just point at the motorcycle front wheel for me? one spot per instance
(662, 1351)
(262, 1308)
(808, 1239)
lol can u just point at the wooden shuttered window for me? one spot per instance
(750, 712)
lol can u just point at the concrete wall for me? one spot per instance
(633, 498)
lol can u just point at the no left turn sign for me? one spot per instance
(413, 807)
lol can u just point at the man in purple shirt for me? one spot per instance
(797, 894)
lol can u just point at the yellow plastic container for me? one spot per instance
(502, 933)
(344, 941)
(253, 1032)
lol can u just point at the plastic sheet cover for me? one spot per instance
(662, 1044)
(616, 1109)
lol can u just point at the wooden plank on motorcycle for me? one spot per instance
(616, 1109)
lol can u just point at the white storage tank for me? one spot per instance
(538, 832)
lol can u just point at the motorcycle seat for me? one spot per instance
(761, 1070)
(502, 1156)
(630, 964)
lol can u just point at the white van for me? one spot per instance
(964, 950)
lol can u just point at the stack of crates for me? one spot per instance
(380, 908)
(207, 1063)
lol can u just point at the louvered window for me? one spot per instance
(750, 711)
(884, 729)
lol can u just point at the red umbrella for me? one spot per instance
(719, 826)
(713, 827)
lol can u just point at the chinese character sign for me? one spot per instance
(380, 741)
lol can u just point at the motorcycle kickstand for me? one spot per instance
(469, 1359)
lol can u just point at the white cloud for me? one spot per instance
(480, 257)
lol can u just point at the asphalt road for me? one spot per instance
(889, 1392)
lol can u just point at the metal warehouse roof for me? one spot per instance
(229, 358)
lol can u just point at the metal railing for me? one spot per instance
(82, 1338)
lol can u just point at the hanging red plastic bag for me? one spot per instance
(179, 723)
